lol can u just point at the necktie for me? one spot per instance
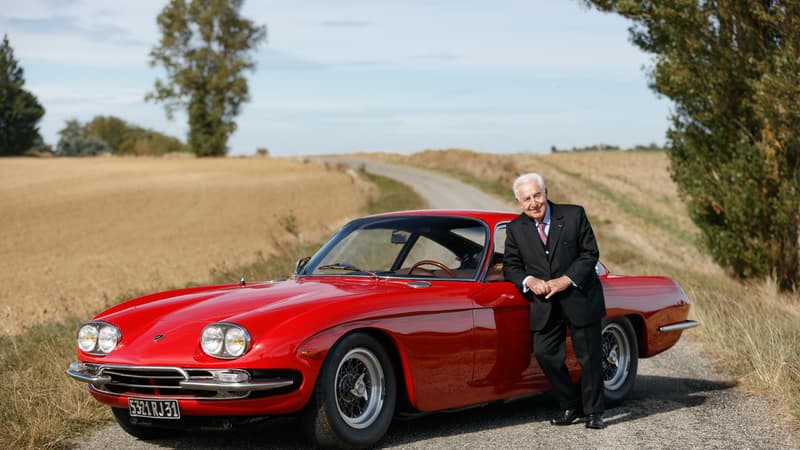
(542, 235)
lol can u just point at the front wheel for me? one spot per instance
(620, 358)
(355, 395)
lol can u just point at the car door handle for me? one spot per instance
(419, 284)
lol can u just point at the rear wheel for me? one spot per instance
(143, 432)
(355, 395)
(620, 358)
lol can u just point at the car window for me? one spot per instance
(426, 249)
(392, 246)
(495, 272)
(368, 249)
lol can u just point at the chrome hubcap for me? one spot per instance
(359, 388)
(616, 356)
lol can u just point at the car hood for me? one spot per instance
(170, 323)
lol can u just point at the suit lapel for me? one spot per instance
(556, 225)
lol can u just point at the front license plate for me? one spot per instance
(157, 409)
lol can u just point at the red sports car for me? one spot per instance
(398, 313)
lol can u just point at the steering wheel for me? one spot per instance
(431, 262)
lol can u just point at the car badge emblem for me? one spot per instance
(158, 336)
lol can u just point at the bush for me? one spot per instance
(82, 146)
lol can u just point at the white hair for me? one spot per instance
(526, 178)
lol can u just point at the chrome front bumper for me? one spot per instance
(173, 382)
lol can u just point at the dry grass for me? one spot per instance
(77, 232)
(751, 330)
(286, 207)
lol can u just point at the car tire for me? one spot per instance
(354, 397)
(143, 432)
(620, 358)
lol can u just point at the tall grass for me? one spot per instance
(750, 329)
(40, 407)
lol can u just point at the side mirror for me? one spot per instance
(300, 264)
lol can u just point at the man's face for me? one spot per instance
(533, 200)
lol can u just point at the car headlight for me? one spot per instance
(98, 338)
(224, 340)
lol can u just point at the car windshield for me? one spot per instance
(409, 246)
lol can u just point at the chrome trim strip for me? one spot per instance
(679, 326)
(217, 396)
(246, 386)
(80, 376)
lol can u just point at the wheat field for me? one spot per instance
(77, 233)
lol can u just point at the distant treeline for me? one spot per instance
(109, 134)
(653, 147)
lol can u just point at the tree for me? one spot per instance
(205, 48)
(732, 68)
(20, 110)
(76, 141)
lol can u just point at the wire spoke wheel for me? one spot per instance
(355, 395)
(620, 358)
(359, 388)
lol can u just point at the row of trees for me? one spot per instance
(732, 69)
(109, 134)
(653, 147)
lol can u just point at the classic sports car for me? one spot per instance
(398, 313)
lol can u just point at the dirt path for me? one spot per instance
(678, 400)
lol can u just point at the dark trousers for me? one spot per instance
(549, 346)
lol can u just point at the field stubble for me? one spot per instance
(78, 232)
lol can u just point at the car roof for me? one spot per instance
(490, 217)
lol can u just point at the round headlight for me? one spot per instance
(107, 338)
(235, 342)
(87, 338)
(224, 340)
(212, 339)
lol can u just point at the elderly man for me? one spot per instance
(550, 256)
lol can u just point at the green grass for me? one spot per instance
(40, 407)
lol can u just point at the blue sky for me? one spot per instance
(338, 76)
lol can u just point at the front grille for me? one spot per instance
(155, 381)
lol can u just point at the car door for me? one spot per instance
(503, 344)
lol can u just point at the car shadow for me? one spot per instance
(652, 395)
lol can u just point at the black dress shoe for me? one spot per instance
(565, 418)
(595, 421)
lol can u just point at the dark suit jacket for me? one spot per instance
(573, 252)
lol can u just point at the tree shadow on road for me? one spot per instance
(652, 395)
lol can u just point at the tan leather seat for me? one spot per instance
(495, 273)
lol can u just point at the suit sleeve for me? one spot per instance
(513, 267)
(583, 267)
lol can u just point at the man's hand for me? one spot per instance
(539, 287)
(557, 285)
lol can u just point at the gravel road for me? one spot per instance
(678, 400)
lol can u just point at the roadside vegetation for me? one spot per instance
(750, 328)
(40, 407)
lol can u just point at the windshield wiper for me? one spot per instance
(346, 266)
